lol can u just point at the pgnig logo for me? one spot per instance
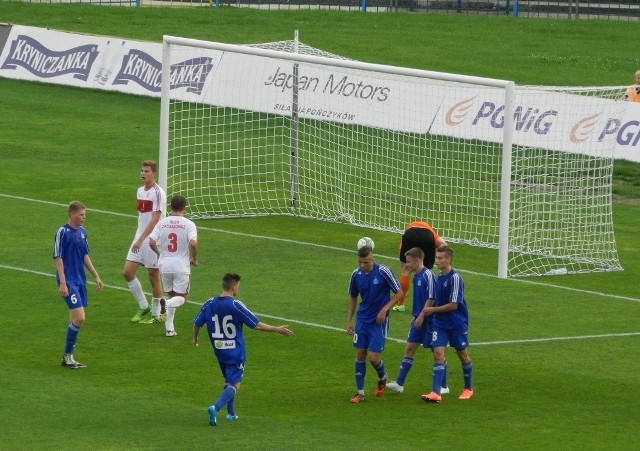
(582, 129)
(489, 113)
(458, 112)
(626, 134)
(541, 121)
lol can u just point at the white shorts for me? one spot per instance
(145, 256)
(176, 282)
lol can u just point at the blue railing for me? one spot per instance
(566, 9)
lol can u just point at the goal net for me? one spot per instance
(290, 130)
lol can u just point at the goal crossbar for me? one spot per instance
(328, 150)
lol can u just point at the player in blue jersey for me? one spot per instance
(71, 255)
(224, 317)
(450, 325)
(421, 324)
(373, 283)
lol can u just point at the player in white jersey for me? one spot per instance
(175, 241)
(151, 205)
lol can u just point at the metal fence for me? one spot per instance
(567, 9)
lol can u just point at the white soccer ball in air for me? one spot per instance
(365, 241)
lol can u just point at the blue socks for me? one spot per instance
(380, 369)
(438, 373)
(405, 367)
(466, 374)
(445, 382)
(231, 407)
(225, 397)
(361, 370)
(72, 337)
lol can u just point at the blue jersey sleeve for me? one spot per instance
(353, 291)
(388, 276)
(246, 315)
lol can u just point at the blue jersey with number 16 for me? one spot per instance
(225, 317)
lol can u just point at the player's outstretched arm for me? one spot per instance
(282, 330)
(196, 332)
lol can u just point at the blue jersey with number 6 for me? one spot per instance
(225, 317)
(71, 246)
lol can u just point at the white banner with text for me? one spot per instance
(546, 119)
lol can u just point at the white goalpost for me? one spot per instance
(285, 129)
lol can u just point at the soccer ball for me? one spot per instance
(365, 241)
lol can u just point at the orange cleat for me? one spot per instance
(382, 384)
(431, 397)
(466, 394)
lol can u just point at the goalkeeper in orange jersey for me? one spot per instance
(633, 92)
(421, 235)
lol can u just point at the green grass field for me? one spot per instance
(555, 358)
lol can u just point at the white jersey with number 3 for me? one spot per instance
(172, 234)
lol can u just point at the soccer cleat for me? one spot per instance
(150, 320)
(466, 394)
(357, 398)
(444, 390)
(69, 362)
(394, 387)
(431, 397)
(382, 384)
(213, 421)
(232, 417)
(140, 314)
(163, 309)
(399, 308)
(171, 333)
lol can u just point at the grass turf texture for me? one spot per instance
(144, 391)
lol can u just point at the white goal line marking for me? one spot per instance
(338, 329)
(340, 249)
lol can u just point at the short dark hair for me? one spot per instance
(229, 280)
(446, 250)
(364, 251)
(178, 203)
(415, 252)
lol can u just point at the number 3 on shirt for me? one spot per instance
(173, 242)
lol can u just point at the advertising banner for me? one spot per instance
(547, 119)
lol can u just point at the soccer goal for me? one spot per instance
(284, 129)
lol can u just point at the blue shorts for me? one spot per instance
(232, 373)
(77, 296)
(457, 339)
(420, 335)
(371, 336)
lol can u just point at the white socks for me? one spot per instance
(136, 290)
(155, 307)
(172, 304)
(175, 301)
